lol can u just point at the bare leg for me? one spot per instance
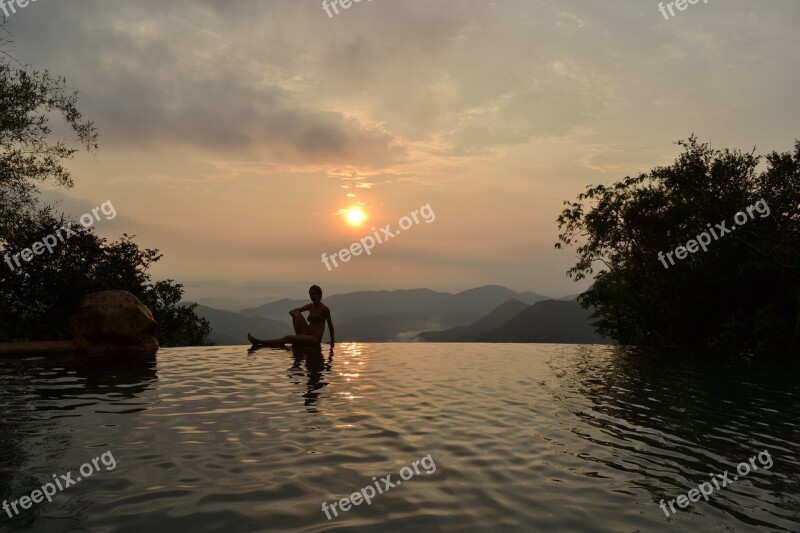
(295, 340)
(300, 324)
(277, 343)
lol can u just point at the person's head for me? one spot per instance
(315, 293)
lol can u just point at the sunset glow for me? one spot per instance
(355, 216)
(340, 138)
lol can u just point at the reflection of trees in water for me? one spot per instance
(675, 416)
(686, 394)
(128, 378)
(34, 395)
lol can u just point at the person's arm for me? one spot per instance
(330, 326)
(300, 309)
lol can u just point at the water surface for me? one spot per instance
(523, 437)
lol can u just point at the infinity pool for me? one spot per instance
(521, 438)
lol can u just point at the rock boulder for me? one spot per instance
(114, 323)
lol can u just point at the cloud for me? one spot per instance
(228, 123)
(175, 80)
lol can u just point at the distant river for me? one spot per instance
(505, 438)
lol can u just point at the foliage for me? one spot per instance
(38, 297)
(742, 293)
(178, 325)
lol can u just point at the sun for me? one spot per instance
(355, 216)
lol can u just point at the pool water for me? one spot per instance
(515, 438)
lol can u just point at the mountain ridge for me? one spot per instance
(480, 314)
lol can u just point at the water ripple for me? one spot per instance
(524, 438)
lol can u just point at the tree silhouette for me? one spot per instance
(38, 296)
(741, 292)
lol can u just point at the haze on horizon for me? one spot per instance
(233, 134)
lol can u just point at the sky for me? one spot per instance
(236, 135)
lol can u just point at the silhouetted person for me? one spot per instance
(306, 333)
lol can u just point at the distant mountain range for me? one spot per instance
(485, 314)
(228, 328)
(548, 321)
(494, 320)
(551, 321)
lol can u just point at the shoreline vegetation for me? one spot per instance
(741, 295)
(38, 298)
